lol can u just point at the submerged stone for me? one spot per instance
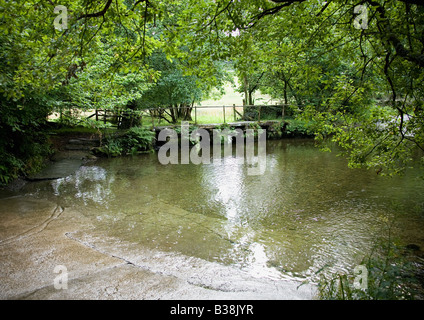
(59, 169)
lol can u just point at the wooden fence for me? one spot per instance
(127, 118)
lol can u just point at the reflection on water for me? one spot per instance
(307, 211)
(89, 183)
(228, 188)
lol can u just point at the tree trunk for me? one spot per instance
(285, 93)
(187, 112)
(251, 102)
(173, 114)
(246, 94)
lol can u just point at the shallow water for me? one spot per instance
(308, 211)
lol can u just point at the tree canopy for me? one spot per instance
(352, 68)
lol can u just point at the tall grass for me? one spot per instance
(215, 115)
(393, 272)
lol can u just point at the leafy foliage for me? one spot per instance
(133, 141)
(298, 128)
(389, 277)
(23, 144)
(305, 53)
(310, 54)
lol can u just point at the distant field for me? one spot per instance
(209, 115)
(230, 97)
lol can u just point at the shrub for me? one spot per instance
(297, 128)
(390, 277)
(23, 139)
(133, 141)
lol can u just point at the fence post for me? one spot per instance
(119, 117)
(234, 112)
(97, 114)
(259, 114)
(223, 109)
(151, 115)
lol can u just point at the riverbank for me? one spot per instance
(207, 228)
(39, 239)
(41, 243)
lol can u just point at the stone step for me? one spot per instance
(84, 141)
(56, 170)
(78, 147)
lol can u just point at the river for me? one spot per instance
(308, 212)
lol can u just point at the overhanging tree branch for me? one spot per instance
(96, 14)
(387, 33)
(276, 9)
(138, 2)
(217, 13)
(417, 2)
